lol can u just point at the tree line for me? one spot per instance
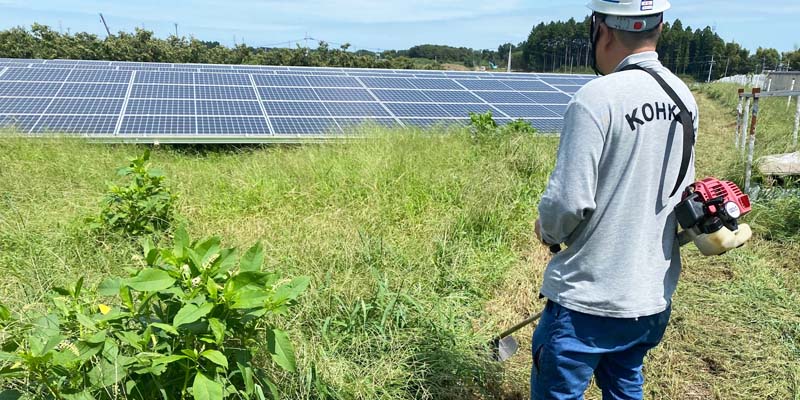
(142, 45)
(555, 46)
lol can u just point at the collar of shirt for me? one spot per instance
(637, 58)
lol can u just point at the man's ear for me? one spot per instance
(606, 36)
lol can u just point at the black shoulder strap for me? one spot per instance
(685, 119)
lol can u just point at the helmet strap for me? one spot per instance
(597, 19)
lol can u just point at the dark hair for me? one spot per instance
(633, 40)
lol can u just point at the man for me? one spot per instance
(611, 200)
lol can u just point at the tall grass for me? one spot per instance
(404, 235)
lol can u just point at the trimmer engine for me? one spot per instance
(709, 215)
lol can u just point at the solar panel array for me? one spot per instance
(190, 102)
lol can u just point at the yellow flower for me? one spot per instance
(104, 309)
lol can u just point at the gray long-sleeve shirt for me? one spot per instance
(608, 197)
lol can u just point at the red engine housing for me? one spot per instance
(712, 188)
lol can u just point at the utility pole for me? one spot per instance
(710, 68)
(509, 56)
(103, 19)
(176, 29)
(727, 64)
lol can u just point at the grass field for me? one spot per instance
(419, 246)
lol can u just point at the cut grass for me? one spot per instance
(419, 246)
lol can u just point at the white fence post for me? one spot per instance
(796, 124)
(738, 118)
(789, 101)
(745, 125)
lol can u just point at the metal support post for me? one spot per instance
(754, 121)
(738, 118)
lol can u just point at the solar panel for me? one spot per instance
(343, 94)
(222, 79)
(160, 107)
(444, 84)
(287, 93)
(299, 126)
(460, 110)
(525, 110)
(300, 109)
(177, 78)
(483, 84)
(76, 124)
(433, 122)
(28, 89)
(228, 102)
(99, 76)
(219, 107)
(387, 83)
(451, 96)
(232, 125)
(280, 80)
(159, 124)
(225, 92)
(333, 82)
(548, 98)
(20, 123)
(162, 92)
(23, 105)
(503, 97)
(408, 96)
(92, 90)
(36, 74)
(85, 106)
(357, 110)
(417, 110)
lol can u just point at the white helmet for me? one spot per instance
(629, 8)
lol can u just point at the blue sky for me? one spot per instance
(382, 24)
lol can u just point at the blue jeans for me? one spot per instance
(569, 347)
